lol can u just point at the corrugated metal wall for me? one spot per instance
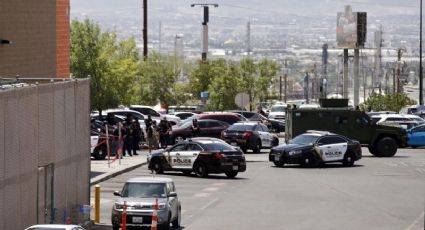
(42, 128)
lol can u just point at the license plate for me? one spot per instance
(235, 167)
(276, 157)
(137, 219)
(234, 143)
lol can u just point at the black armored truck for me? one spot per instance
(335, 116)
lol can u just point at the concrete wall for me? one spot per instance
(39, 32)
(44, 154)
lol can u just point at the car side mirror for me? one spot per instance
(172, 194)
(117, 193)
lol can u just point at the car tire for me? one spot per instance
(157, 166)
(279, 164)
(201, 170)
(257, 147)
(348, 160)
(231, 174)
(178, 139)
(115, 227)
(309, 162)
(100, 152)
(386, 147)
(177, 221)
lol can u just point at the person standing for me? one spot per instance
(164, 131)
(150, 137)
(195, 128)
(128, 137)
(135, 131)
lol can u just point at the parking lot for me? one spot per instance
(378, 193)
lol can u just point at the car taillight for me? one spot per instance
(219, 155)
(247, 134)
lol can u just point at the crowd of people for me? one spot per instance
(128, 136)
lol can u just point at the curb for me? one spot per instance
(107, 176)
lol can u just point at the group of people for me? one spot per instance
(131, 134)
(158, 136)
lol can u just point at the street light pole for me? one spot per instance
(145, 28)
(204, 28)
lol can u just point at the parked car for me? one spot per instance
(406, 121)
(250, 135)
(140, 194)
(183, 115)
(207, 127)
(229, 118)
(55, 227)
(200, 155)
(277, 112)
(416, 136)
(146, 110)
(315, 147)
(274, 125)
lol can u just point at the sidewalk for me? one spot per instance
(101, 171)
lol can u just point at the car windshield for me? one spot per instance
(240, 127)
(304, 139)
(213, 147)
(144, 190)
(186, 125)
(280, 108)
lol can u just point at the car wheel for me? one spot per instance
(348, 160)
(178, 139)
(309, 161)
(279, 163)
(257, 147)
(231, 174)
(157, 166)
(177, 221)
(201, 170)
(115, 227)
(386, 147)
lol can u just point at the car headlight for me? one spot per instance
(295, 152)
(118, 206)
(161, 206)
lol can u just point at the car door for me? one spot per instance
(417, 136)
(176, 156)
(265, 142)
(172, 201)
(332, 148)
(191, 154)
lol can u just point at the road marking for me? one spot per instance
(212, 189)
(202, 194)
(416, 221)
(219, 184)
(209, 204)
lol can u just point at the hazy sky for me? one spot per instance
(252, 7)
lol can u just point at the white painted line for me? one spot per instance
(209, 204)
(212, 189)
(416, 221)
(202, 194)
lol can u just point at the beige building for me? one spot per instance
(44, 126)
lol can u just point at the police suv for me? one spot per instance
(200, 155)
(315, 147)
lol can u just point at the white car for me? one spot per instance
(277, 112)
(55, 227)
(146, 110)
(406, 121)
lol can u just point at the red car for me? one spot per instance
(207, 127)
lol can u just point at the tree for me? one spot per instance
(158, 80)
(389, 102)
(267, 72)
(247, 79)
(110, 64)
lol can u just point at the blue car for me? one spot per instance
(416, 136)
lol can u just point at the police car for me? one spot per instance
(316, 147)
(200, 155)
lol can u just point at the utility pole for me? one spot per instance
(286, 81)
(345, 75)
(204, 28)
(159, 37)
(356, 77)
(421, 89)
(378, 58)
(145, 29)
(248, 41)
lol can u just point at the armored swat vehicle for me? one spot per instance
(335, 116)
